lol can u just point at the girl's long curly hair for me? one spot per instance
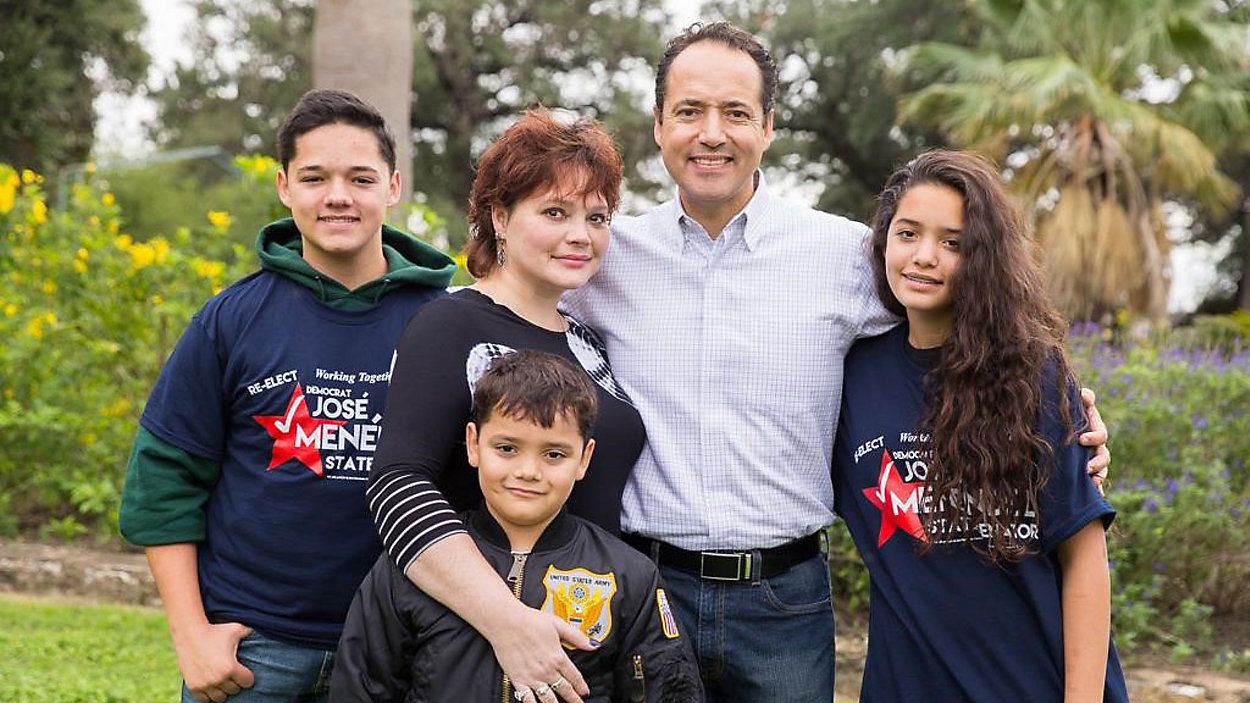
(983, 397)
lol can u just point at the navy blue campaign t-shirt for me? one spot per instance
(301, 388)
(946, 626)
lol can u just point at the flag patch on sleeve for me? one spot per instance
(667, 621)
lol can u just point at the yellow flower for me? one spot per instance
(29, 177)
(142, 255)
(80, 265)
(157, 300)
(211, 270)
(39, 211)
(94, 220)
(123, 241)
(113, 226)
(10, 310)
(87, 439)
(88, 168)
(82, 254)
(461, 260)
(117, 409)
(161, 246)
(218, 219)
(108, 200)
(8, 192)
(49, 286)
(35, 328)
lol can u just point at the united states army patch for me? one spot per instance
(581, 598)
(667, 621)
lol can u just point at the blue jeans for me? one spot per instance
(284, 672)
(769, 641)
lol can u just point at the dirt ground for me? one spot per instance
(122, 577)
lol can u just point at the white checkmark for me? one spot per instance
(284, 425)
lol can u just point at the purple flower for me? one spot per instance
(1169, 493)
(1199, 421)
(1150, 505)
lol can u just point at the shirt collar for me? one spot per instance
(752, 214)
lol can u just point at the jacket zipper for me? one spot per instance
(640, 684)
(516, 576)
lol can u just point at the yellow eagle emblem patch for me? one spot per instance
(582, 598)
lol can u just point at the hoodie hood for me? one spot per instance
(409, 262)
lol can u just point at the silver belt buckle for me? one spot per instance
(742, 565)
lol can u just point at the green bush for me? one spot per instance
(88, 315)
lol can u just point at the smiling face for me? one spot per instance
(526, 471)
(338, 188)
(554, 240)
(922, 257)
(712, 130)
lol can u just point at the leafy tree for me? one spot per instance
(55, 59)
(1064, 90)
(250, 62)
(476, 63)
(480, 62)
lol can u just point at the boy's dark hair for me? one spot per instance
(538, 387)
(321, 107)
(728, 35)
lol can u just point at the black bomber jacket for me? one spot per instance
(401, 645)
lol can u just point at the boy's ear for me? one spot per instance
(586, 454)
(470, 443)
(284, 188)
(394, 188)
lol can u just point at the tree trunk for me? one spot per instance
(365, 46)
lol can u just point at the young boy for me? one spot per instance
(530, 442)
(246, 482)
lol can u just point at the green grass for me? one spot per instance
(65, 652)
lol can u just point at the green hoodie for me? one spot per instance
(166, 487)
(409, 261)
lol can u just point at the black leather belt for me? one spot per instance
(722, 565)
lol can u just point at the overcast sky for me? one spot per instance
(120, 132)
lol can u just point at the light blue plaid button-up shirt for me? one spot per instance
(731, 349)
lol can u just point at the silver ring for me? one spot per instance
(542, 690)
(558, 683)
(521, 692)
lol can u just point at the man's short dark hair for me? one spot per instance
(730, 36)
(537, 387)
(320, 107)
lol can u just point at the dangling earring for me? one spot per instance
(500, 257)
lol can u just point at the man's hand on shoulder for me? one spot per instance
(1095, 437)
(207, 658)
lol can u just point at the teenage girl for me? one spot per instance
(955, 466)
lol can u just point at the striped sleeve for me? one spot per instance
(420, 470)
(411, 514)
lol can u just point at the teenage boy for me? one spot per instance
(530, 441)
(246, 481)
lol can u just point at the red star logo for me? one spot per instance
(898, 502)
(295, 434)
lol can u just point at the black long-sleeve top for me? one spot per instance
(421, 475)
